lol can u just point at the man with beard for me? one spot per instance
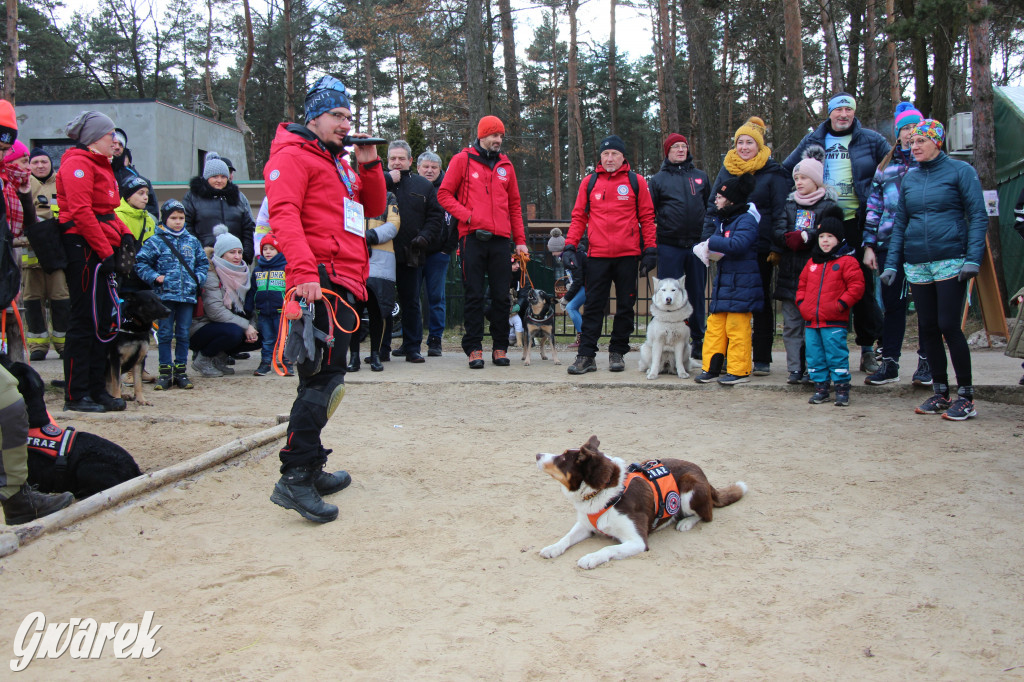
(317, 206)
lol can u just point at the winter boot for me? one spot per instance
(327, 483)
(842, 394)
(181, 379)
(582, 365)
(164, 381)
(353, 363)
(433, 347)
(820, 393)
(223, 362)
(868, 361)
(204, 365)
(28, 504)
(375, 363)
(297, 490)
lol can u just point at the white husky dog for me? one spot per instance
(667, 348)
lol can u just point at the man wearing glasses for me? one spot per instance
(317, 206)
(680, 192)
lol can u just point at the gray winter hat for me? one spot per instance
(225, 241)
(88, 127)
(214, 165)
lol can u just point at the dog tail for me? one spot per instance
(725, 496)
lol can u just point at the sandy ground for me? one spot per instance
(874, 543)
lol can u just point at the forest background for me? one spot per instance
(427, 70)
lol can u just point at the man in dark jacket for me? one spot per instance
(680, 192)
(852, 155)
(124, 169)
(435, 269)
(422, 218)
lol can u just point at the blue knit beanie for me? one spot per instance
(326, 94)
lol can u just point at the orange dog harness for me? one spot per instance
(663, 484)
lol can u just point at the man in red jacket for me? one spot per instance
(615, 209)
(317, 204)
(481, 192)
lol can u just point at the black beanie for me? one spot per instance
(737, 188)
(38, 151)
(613, 142)
(832, 223)
(131, 185)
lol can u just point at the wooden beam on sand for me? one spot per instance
(141, 484)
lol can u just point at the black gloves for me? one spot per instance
(569, 257)
(108, 266)
(371, 237)
(420, 243)
(648, 261)
(968, 271)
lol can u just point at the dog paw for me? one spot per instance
(144, 402)
(651, 374)
(683, 375)
(526, 363)
(687, 523)
(590, 561)
(551, 551)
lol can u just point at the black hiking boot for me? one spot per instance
(28, 504)
(164, 381)
(297, 490)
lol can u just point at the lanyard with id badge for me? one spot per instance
(354, 219)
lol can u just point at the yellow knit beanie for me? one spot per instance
(755, 128)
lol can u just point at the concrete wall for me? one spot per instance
(165, 140)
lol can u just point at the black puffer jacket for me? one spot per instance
(771, 187)
(123, 169)
(418, 208)
(206, 207)
(791, 263)
(448, 240)
(680, 193)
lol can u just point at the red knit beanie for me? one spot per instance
(671, 140)
(270, 239)
(489, 125)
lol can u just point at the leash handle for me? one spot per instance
(277, 359)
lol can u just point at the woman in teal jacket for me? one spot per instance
(939, 236)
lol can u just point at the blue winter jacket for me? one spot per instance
(940, 214)
(267, 288)
(737, 287)
(867, 149)
(885, 195)
(155, 258)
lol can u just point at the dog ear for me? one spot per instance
(655, 282)
(590, 447)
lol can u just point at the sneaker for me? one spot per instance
(204, 365)
(888, 373)
(937, 404)
(820, 393)
(762, 369)
(500, 358)
(731, 379)
(615, 362)
(705, 377)
(297, 490)
(433, 346)
(806, 379)
(923, 374)
(582, 365)
(842, 395)
(476, 359)
(961, 410)
(263, 370)
(794, 377)
(868, 362)
(289, 369)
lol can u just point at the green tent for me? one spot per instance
(1009, 120)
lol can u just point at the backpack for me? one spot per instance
(633, 182)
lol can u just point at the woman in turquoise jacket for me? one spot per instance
(939, 237)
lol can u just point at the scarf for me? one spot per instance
(809, 199)
(727, 213)
(234, 282)
(13, 178)
(737, 166)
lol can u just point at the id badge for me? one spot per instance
(354, 221)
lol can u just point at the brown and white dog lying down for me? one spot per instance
(609, 500)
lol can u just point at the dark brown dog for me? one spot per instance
(627, 509)
(128, 351)
(539, 321)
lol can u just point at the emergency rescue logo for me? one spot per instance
(51, 430)
(274, 174)
(502, 172)
(79, 173)
(623, 190)
(672, 503)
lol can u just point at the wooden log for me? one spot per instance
(8, 543)
(145, 483)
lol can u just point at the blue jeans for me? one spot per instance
(267, 326)
(434, 272)
(574, 309)
(676, 262)
(827, 354)
(175, 326)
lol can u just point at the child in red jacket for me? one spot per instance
(830, 284)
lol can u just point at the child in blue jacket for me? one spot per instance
(174, 264)
(736, 294)
(266, 295)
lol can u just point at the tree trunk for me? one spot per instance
(403, 113)
(289, 61)
(699, 24)
(919, 51)
(828, 29)
(853, 68)
(871, 91)
(368, 76)
(556, 140)
(668, 65)
(508, 47)
(475, 76)
(11, 63)
(659, 71)
(613, 81)
(979, 32)
(243, 82)
(577, 164)
(207, 75)
(942, 49)
(796, 108)
(895, 89)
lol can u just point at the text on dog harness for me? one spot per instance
(663, 485)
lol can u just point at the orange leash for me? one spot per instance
(277, 359)
(524, 275)
(21, 327)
